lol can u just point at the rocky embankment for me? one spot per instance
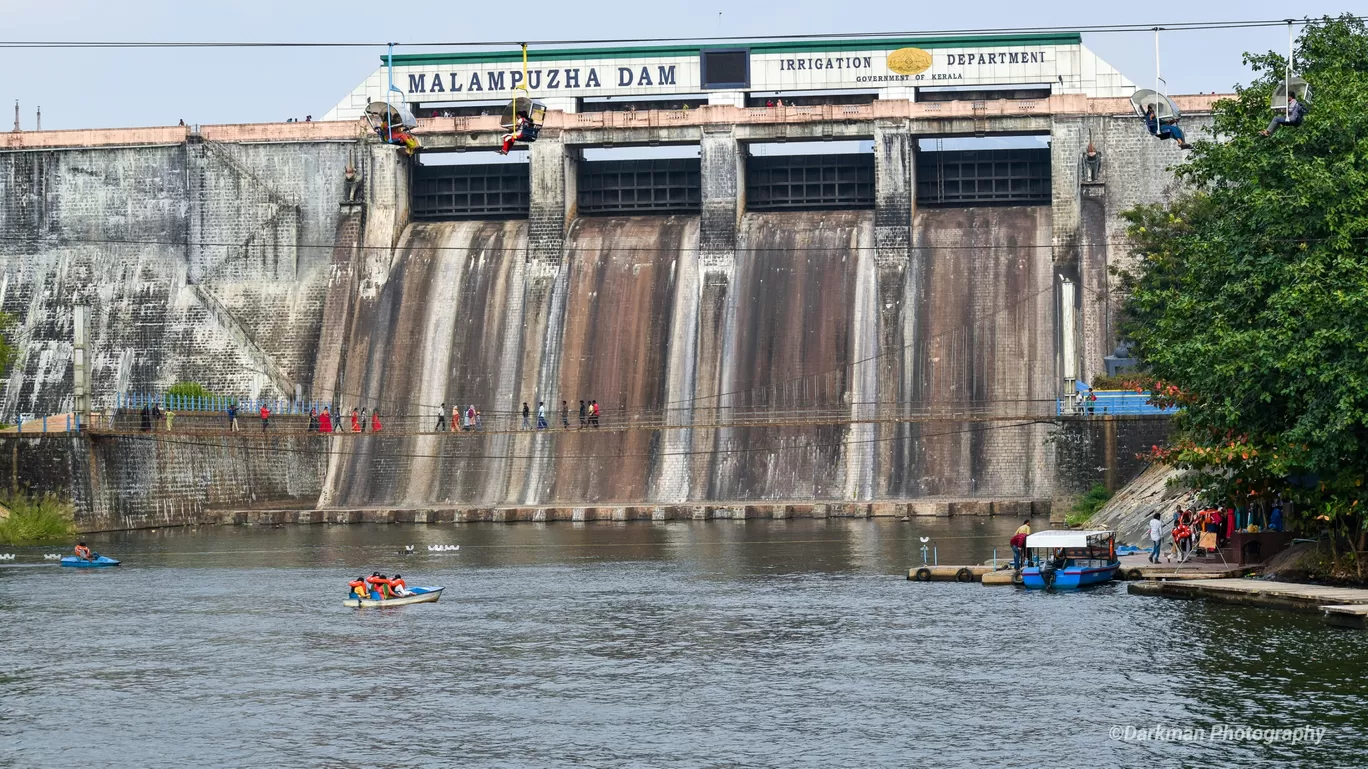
(1158, 489)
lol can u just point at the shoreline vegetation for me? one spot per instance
(28, 520)
(1246, 298)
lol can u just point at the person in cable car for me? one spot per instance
(1165, 130)
(1296, 110)
(393, 124)
(398, 136)
(524, 131)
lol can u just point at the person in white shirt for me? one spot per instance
(1156, 530)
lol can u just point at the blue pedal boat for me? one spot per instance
(94, 563)
(1068, 560)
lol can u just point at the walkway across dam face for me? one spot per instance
(240, 258)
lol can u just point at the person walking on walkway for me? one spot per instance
(470, 417)
(375, 420)
(565, 415)
(313, 419)
(441, 419)
(356, 422)
(1019, 544)
(455, 417)
(325, 421)
(146, 415)
(1156, 532)
(265, 418)
(594, 414)
(582, 413)
(541, 415)
(526, 415)
(232, 416)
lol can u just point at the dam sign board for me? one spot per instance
(887, 67)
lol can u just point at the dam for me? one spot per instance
(888, 328)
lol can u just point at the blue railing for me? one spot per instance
(1112, 403)
(69, 423)
(214, 403)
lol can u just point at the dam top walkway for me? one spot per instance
(1001, 116)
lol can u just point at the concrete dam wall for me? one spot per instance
(805, 323)
(904, 352)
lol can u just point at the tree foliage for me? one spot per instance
(189, 390)
(1248, 297)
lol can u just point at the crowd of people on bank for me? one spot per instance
(1204, 530)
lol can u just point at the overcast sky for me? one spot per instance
(95, 87)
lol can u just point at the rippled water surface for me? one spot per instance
(766, 644)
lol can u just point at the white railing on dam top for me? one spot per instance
(1062, 104)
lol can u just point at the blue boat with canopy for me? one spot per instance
(1067, 560)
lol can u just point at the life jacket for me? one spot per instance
(1181, 532)
(358, 587)
(396, 585)
(377, 585)
(83, 552)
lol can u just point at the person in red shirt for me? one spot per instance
(356, 422)
(375, 428)
(325, 421)
(265, 417)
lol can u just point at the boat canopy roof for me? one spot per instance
(1053, 539)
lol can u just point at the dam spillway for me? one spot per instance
(738, 355)
(791, 330)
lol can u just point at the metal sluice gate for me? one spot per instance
(489, 191)
(810, 182)
(1018, 177)
(652, 186)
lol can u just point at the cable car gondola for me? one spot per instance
(1160, 114)
(393, 123)
(1300, 89)
(523, 117)
(1293, 109)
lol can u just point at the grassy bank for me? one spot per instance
(35, 520)
(1088, 505)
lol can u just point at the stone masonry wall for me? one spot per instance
(131, 482)
(201, 262)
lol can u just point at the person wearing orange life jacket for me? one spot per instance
(358, 588)
(378, 585)
(1182, 537)
(398, 587)
(83, 552)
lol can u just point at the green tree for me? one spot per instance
(1248, 297)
